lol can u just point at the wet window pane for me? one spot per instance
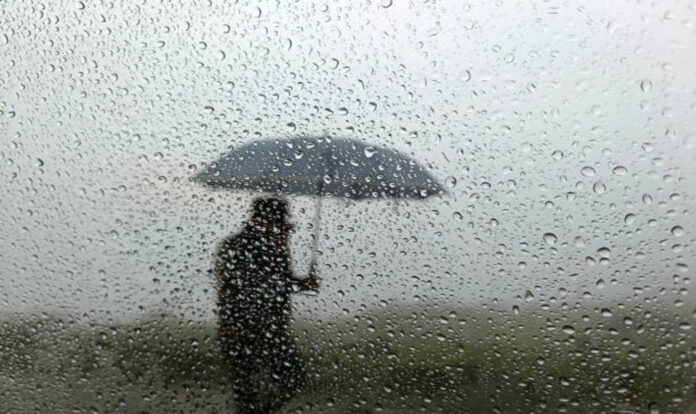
(346, 207)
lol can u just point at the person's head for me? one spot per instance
(271, 215)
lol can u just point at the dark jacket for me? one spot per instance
(254, 282)
(254, 287)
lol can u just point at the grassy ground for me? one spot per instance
(391, 360)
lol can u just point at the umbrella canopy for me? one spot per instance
(322, 167)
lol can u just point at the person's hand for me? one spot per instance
(312, 282)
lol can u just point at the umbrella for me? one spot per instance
(321, 167)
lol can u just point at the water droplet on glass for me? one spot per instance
(587, 171)
(630, 218)
(467, 76)
(620, 170)
(370, 151)
(557, 155)
(677, 231)
(604, 252)
(646, 85)
(451, 182)
(550, 238)
(599, 188)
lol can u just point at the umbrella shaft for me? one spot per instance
(317, 229)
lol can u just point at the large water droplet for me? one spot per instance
(587, 171)
(550, 238)
(604, 252)
(677, 231)
(599, 188)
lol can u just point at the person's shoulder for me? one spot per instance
(227, 243)
(233, 241)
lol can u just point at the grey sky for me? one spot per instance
(107, 110)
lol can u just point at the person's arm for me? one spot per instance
(308, 283)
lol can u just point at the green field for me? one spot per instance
(397, 359)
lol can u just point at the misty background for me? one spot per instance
(565, 133)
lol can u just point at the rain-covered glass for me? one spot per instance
(390, 206)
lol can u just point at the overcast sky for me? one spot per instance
(572, 119)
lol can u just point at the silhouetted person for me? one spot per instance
(255, 282)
